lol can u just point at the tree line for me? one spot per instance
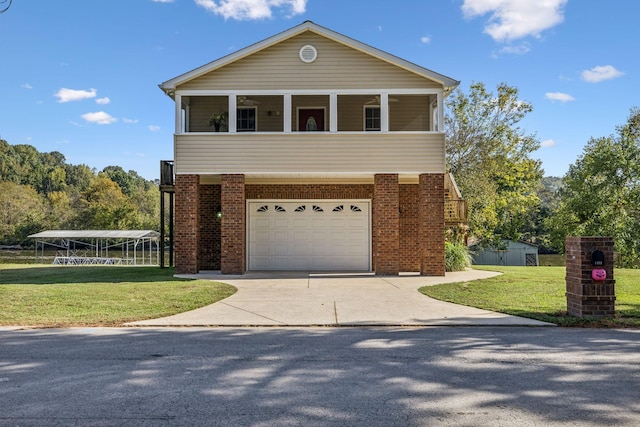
(490, 156)
(40, 191)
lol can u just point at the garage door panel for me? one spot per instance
(309, 235)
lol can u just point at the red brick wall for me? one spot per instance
(585, 296)
(310, 191)
(412, 253)
(233, 240)
(386, 224)
(431, 224)
(409, 241)
(209, 227)
(186, 230)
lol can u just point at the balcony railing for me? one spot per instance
(455, 211)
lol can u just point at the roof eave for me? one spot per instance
(448, 83)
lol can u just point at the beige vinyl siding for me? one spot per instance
(336, 67)
(309, 153)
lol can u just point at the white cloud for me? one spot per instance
(154, 128)
(129, 121)
(600, 73)
(516, 49)
(26, 86)
(103, 101)
(425, 39)
(559, 96)
(548, 143)
(100, 118)
(515, 19)
(67, 95)
(242, 10)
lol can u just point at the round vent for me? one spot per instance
(308, 53)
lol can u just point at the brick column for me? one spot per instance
(585, 296)
(233, 228)
(187, 225)
(431, 224)
(386, 224)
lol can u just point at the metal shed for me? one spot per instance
(84, 247)
(510, 253)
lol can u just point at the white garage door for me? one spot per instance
(309, 235)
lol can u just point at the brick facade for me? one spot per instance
(233, 231)
(210, 227)
(187, 220)
(431, 224)
(396, 222)
(409, 242)
(386, 224)
(585, 296)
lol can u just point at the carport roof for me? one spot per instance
(96, 234)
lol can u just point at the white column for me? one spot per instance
(384, 112)
(286, 115)
(440, 113)
(178, 112)
(333, 112)
(232, 116)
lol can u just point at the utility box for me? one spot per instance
(590, 282)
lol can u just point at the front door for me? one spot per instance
(311, 119)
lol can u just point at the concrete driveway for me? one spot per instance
(308, 299)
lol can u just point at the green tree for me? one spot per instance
(22, 213)
(601, 192)
(489, 156)
(107, 207)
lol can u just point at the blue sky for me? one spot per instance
(81, 77)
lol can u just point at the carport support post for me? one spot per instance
(587, 297)
(386, 224)
(233, 228)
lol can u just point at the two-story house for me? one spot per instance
(309, 151)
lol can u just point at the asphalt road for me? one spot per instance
(444, 376)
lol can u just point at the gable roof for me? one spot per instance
(448, 83)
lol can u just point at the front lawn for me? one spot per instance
(60, 296)
(539, 293)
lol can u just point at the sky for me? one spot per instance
(81, 77)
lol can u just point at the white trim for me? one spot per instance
(311, 108)
(178, 114)
(287, 113)
(365, 201)
(384, 112)
(275, 92)
(232, 114)
(333, 112)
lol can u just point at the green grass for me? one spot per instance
(539, 293)
(60, 296)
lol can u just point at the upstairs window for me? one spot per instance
(372, 118)
(246, 119)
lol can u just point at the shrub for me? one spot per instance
(457, 257)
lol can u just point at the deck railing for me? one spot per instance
(455, 211)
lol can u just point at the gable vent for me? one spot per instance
(308, 53)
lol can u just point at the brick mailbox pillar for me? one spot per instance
(586, 296)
